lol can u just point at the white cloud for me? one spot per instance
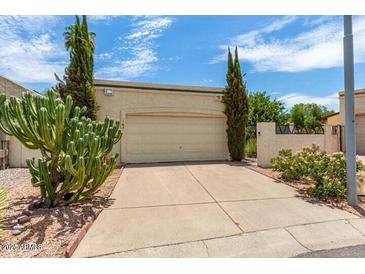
(309, 21)
(100, 18)
(28, 51)
(141, 62)
(250, 38)
(316, 48)
(291, 99)
(104, 56)
(140, 45)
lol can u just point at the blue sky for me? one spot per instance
(292, 58)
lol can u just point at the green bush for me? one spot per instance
(329, 188)
(289, 165)
(328, 172)
(250, 148)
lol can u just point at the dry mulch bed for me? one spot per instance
(302, 186)
(49, 231)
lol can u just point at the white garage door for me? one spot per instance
(174, 138)
(360, 135)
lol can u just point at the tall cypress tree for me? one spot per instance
(236, 107)
(78, 78)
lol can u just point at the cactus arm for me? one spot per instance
(24, 127)
(45, 179)
(45, 131)
(100, 179)
(34, 171)
(69, 167)
(59, 125)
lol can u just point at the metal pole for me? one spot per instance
(349, 112)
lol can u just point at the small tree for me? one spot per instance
(236, 108)
(78, 79)
(262, 108)
(297, 115)
(308, 116)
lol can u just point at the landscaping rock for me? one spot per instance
(16, 232)
(23, 219)
(26, 212)
(35, 205)
(18, 227)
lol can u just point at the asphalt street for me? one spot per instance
(345, 252)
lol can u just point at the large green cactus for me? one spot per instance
(75, 161)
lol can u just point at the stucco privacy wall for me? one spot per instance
(269, 143)
(18, 153)
(130, 98)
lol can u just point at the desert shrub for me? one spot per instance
(329, 188)
(337, 167)
(328, 172)
(289, 165)
(313, 162)
(75, 150)
(250, 148)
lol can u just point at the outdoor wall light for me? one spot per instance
(108, 91)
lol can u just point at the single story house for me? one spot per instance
(160, 122)
(164, 123)
(359, 118)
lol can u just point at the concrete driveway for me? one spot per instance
(213, 210)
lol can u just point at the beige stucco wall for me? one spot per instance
(359, 104)
(144, 98)
(331, 139)
(17, 152)
(269, 143)
(11, 88)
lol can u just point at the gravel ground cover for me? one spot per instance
(302, 186)
(49, 231)
(7, 176)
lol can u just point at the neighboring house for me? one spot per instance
(162, 123)
(12, 152)
(359, 118)
(332, 119)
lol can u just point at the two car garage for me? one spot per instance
(165, 123)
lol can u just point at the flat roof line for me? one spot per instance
(357, 91)
(159, 87)
(18, 84)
